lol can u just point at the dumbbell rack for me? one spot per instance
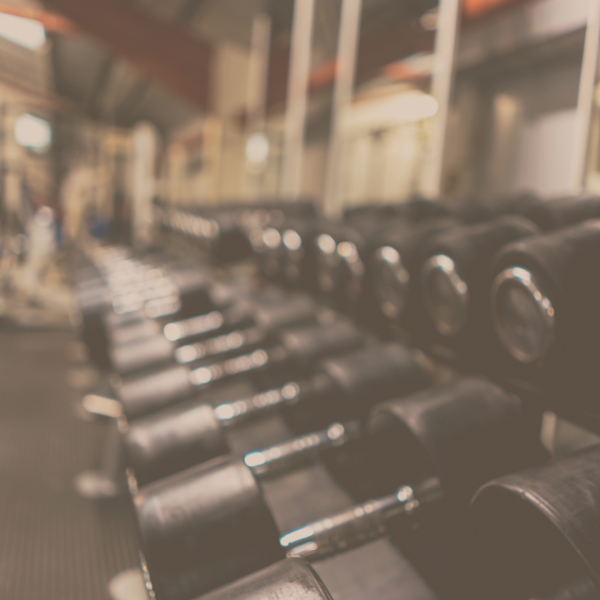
(293, 505)
(539, 400)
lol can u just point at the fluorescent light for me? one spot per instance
(429, 20)
(31, 132)
(413, 106)
(392, 111)
(27, 33)
(257, 149)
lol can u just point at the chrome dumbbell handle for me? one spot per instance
(357, 525)
(213, 321)
(319, 385)
(238, 411)
(199, 325)
(246, 363)
(300, 450)
(221, 344)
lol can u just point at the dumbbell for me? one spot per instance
(342, 388)
(214, 230)
(130, 326)
(195, 321)
(475, 209)
(545, 299)
(94, 301)
(289, 354)
(414, 210)
(373, 574)
(442, 443)
(562, 212)
(456, 323)
(389, 276)
(220, 235)
(292, 578)
(343, 256)
(248, 322)
(286, 253)
(537, 532)
(224, 232)
(183, 291)
(393, 270)
(217, 295)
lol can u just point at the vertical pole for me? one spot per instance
(342, 99)
(585, 99)
(441, 88)
(258, 71)
(257, 88)
(297, 96)
(3, 211)
(145, 147)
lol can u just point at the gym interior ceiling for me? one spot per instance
(99, 75)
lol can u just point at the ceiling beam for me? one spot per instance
(189, 10)
(376, 50)
(129, 108)
(163, 51)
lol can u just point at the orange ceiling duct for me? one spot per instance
(52, 22)
(473, 9)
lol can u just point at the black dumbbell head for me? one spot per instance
(308, 345)
(269, 313)
(284, 312)
(538, 531)
(230, 243)
(454, 277)
(225, 293)
(375, 374)
(193, 285)
(135, 355)
(133, 330)
(203, 528)
(147, 393)
(546, 295)
(468, 432)
(93, 298)
(93, 304)
(298, 259)
(395, 264)
(173, 440)
(328, 261)
(562, 212)
(289, 579)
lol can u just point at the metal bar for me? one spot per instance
(258, 71)
(297, 97)
(342, 99)
(256, 99)
(441, 88)
(585, 99)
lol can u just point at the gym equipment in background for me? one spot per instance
(290, 353)
(342, 389)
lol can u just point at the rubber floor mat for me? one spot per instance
(54, 545)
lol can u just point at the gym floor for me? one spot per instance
(54, 545)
